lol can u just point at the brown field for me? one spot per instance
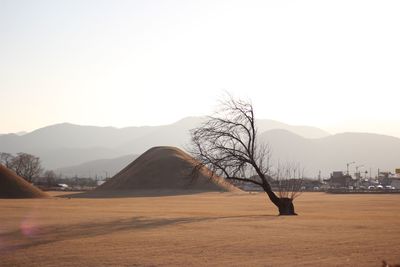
(208, 229)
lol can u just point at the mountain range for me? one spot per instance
(332, 153)
(76, 149)
(99, 168)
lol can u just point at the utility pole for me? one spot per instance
(348, 164)
(357, 173)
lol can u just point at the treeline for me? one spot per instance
(30, 168)
(23, 164)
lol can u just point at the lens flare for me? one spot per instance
(28, 228)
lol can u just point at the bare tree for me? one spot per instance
(27, 166)
(227, 144)
(50, 177)
(6, 159)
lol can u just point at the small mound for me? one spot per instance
(14, 186)
(164, 168)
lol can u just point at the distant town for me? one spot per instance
(338, 182)
(344, 182)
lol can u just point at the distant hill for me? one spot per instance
(333, 152)
(326, 154)
(67, 144)
(14, 186)
(90, 150)
(17, 133)
(100, 168)
(304, 131)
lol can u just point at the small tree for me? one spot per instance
(27, 166)
(50, 177)
(6, 159)
(227, 144)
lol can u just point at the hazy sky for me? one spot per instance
(330, 64)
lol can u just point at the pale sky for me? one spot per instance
(329, 64)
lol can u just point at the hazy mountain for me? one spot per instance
(61, 157)
(71, 136)
(100, 168)
(326, 154)
(333, 152)
(18, 133)
(177, 134)
(21, 133)
(67, 144)
(304, 131)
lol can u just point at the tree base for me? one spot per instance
(286, 207)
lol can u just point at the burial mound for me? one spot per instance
(14, 186)
(164, 168)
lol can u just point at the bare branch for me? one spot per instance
(226, 143)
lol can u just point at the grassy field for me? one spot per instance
(209, 229)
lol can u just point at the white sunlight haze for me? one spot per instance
(329, 64)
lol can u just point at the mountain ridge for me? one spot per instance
(57, 144)
(332, 153)
(65, 144)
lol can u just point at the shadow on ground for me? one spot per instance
(134, 193)
(16, 239)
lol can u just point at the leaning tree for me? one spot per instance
(227, 144)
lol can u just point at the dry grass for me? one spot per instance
(165, 168)
(14, 186)
(210, 229)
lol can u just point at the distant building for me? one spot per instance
(340, 180)
(382, 175)
(395, 179)
(384, 178)
(390, 179)
(395, 182)
(311, 185)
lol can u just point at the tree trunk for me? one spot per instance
(286, 206)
